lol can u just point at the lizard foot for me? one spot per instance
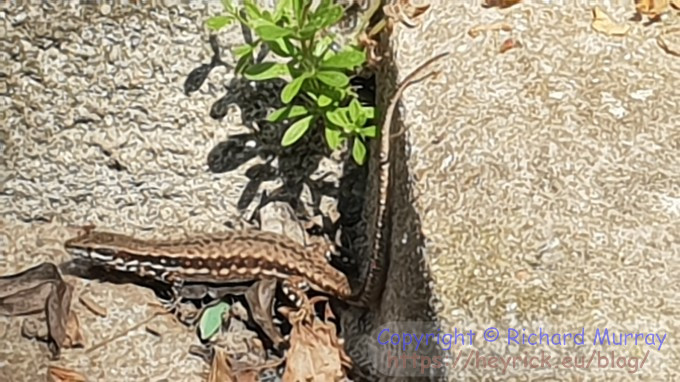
(294, 288)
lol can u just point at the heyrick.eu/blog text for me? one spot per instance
(469, 359)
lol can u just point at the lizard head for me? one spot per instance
(93, 245)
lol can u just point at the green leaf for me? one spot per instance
(347, 59)
(268, 16)
(323, 18)
(293, 88)
(359, 151)
(211, 320)
(337, 95)
(369, 112)
(361, 121)
(243, 50)
(354, 110)
(252, 10)
(282, 7)
(218, 22)
(299, 7)
(242, 63)
(338, 118)
(266, 71)
(270, 32)
(323, 6)
(296, 131)
(228, 6)
(365, 114)
(333, 138)
(333, 78)
(283, 47)
(369, 132)
(287, 112)
(322, 46)
(324, 100)
(307, 33)
(311, 95)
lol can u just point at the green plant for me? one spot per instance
(211, 320)
(318, 88)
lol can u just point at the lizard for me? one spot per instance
(400, 10)
(248, 255)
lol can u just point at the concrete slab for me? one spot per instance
(542, 189)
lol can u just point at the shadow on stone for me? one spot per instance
(407, 296)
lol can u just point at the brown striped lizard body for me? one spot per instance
(241, 256)
(230, 257)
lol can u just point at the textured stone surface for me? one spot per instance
(546, 182)
(97, 128)
(539, 187)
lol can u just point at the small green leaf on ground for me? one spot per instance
(211, 320)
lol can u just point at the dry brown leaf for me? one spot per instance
(26, 292)
(26, 301)
(604, 24)
(315, 352)
(510, 43)
(74, 334)
(260, 297)
(58, 311)
(60, 374)
(501, 3)
(220, 368)
(651, 8)
(248, 376)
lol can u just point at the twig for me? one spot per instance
(124, 332)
